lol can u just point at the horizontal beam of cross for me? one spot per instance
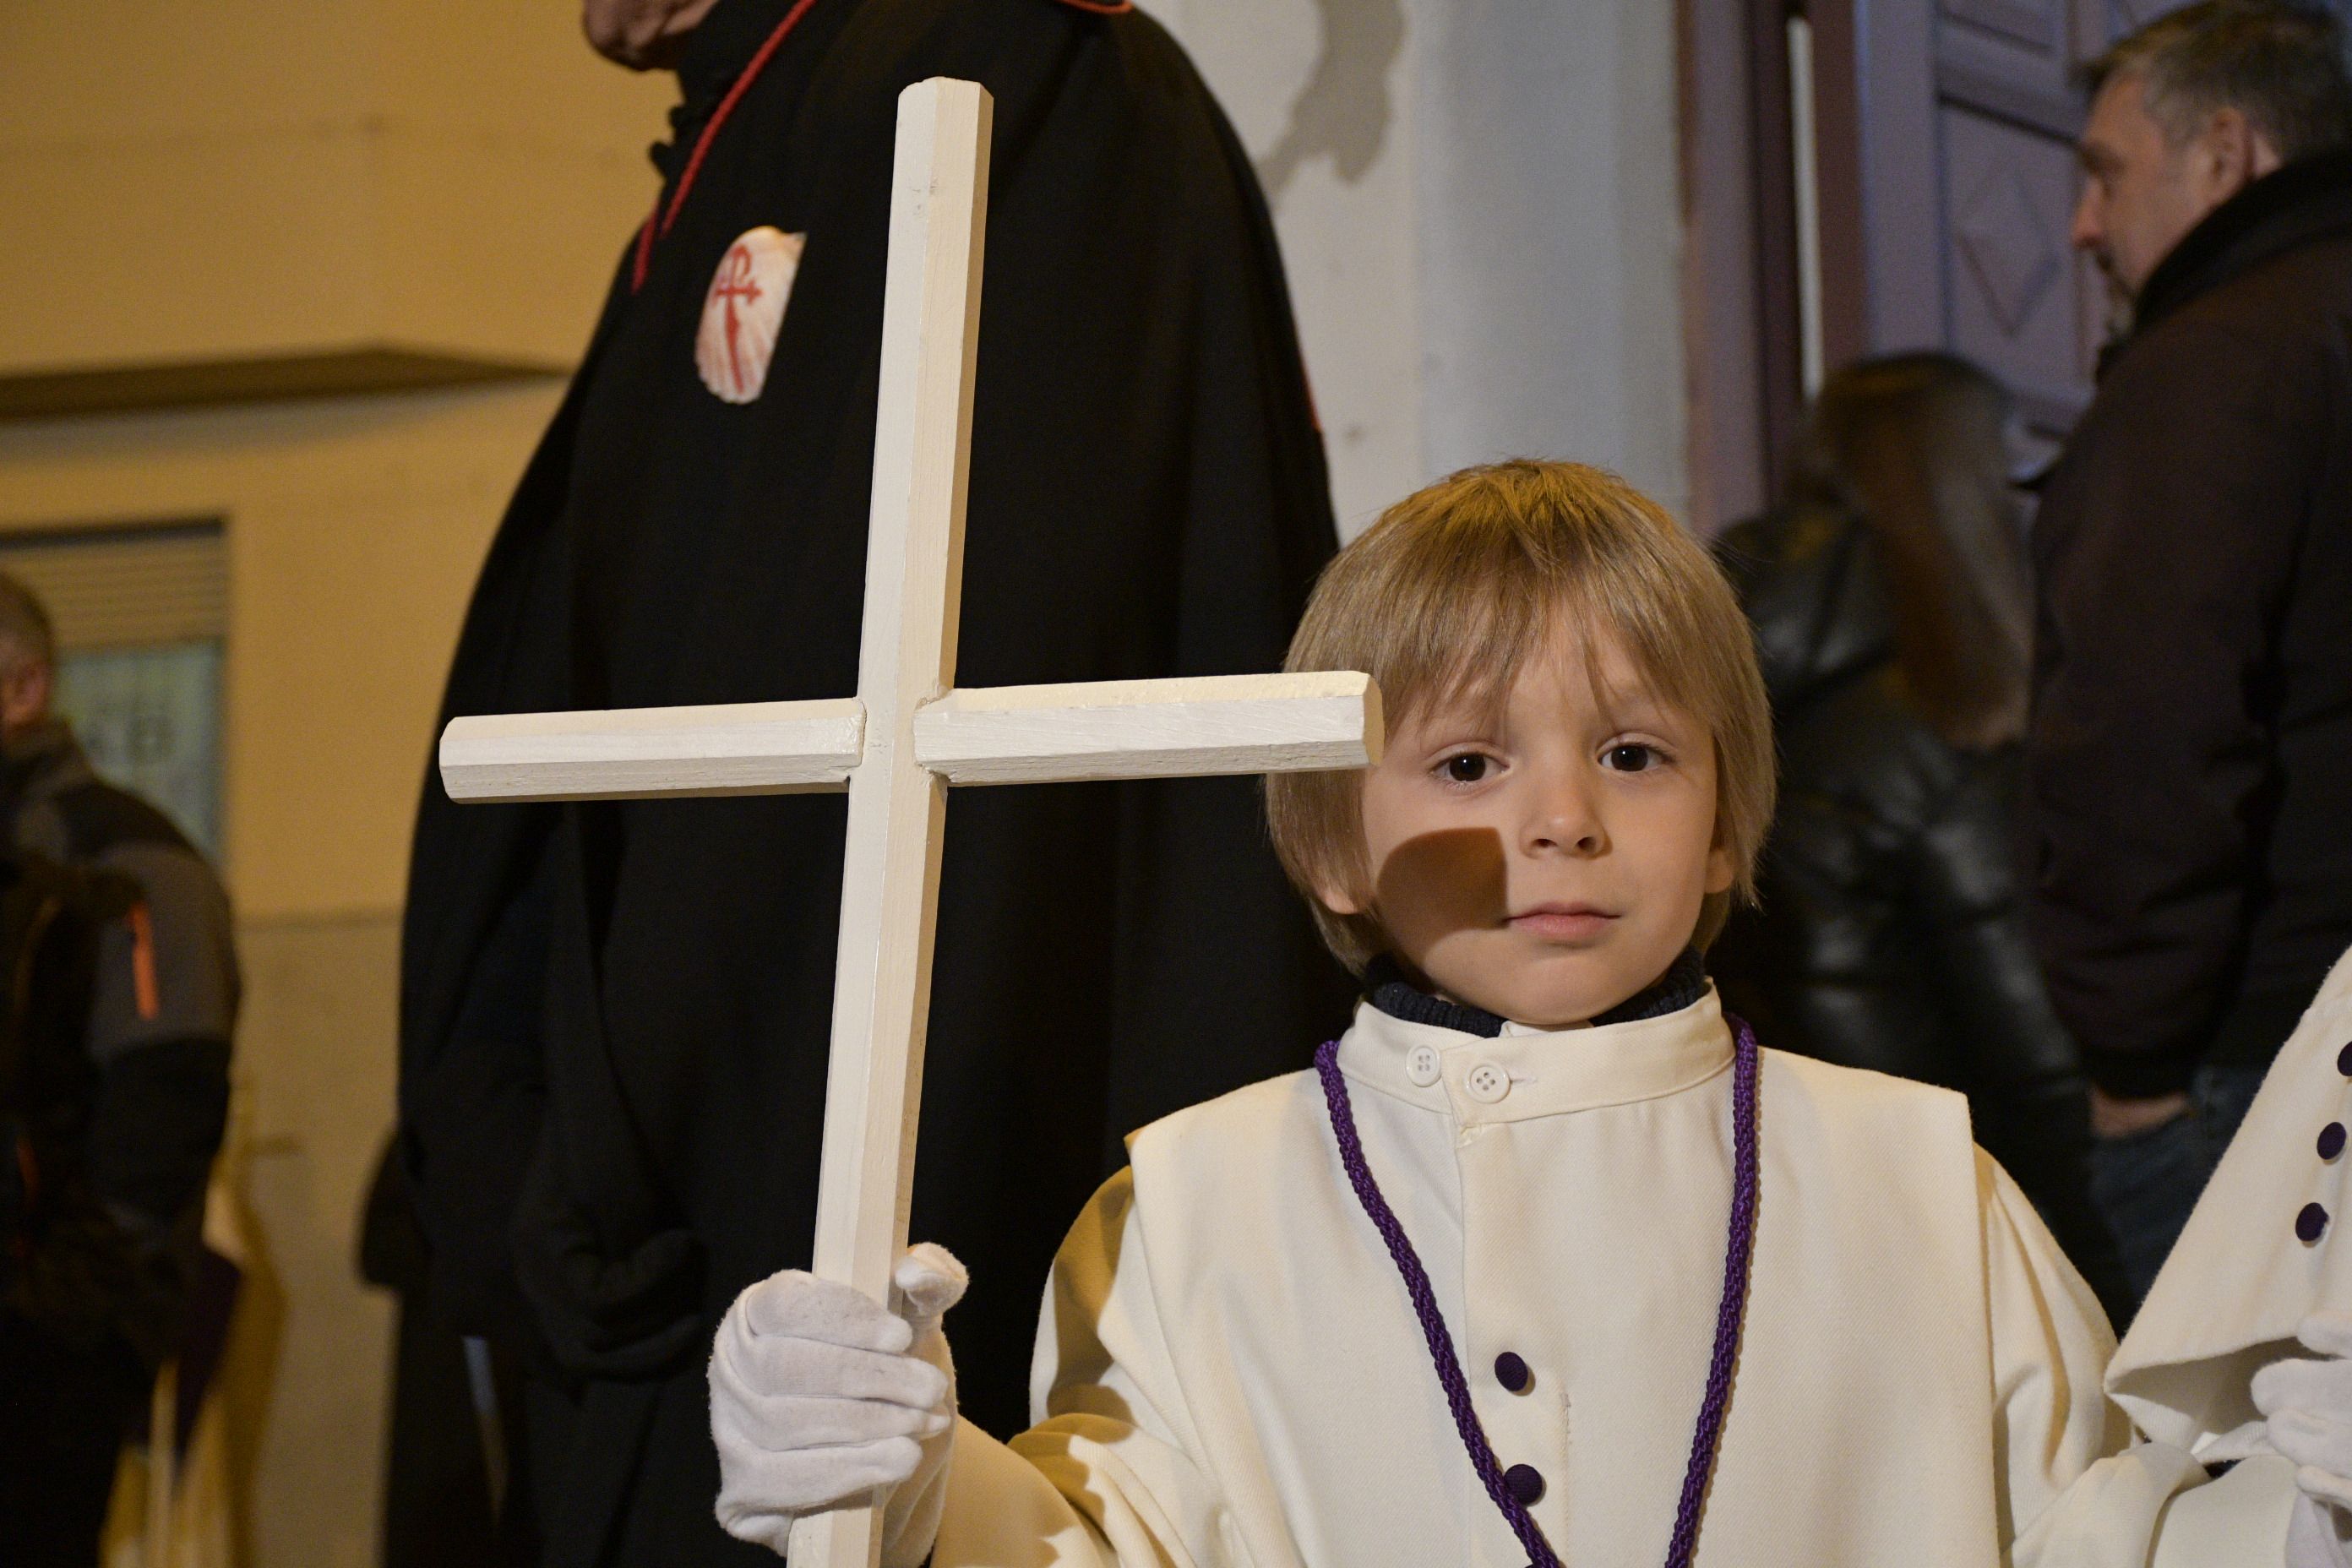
(637, 753)
(1005, 734)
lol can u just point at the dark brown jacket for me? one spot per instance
(2190, 755)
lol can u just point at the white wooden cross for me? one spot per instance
(908, 734)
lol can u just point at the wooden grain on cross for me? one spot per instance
(908, 734)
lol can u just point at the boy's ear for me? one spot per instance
(1720, 871)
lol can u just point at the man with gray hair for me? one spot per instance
(2191, 751)
(118, 992)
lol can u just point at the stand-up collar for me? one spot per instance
(1523, 1073)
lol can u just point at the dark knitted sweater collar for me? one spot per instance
(2306, 199)
(1387, 988)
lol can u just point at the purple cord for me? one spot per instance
(1739, 1254)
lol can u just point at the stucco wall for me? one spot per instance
(1478, 205)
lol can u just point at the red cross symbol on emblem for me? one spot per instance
(743, 310)
(734, 284)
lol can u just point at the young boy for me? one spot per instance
(1544, 1262)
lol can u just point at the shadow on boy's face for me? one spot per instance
(1440, 883)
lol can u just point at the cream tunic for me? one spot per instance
(1229, 1370)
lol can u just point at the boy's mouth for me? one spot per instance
(1562, 921)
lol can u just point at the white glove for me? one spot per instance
(819, 1397)
(2307, 1411)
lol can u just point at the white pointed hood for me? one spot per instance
(2242, 1277)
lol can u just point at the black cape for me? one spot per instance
(615, 1016)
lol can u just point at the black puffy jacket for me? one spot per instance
(1892, 934)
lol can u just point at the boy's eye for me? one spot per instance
(1467, 768)
(1632, 757)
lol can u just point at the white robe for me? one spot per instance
(1230, 1371)
(2228, 1302)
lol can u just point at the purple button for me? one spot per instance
(2343, 1062)
(1513, 1373)
(1526, 1484)
(2331, 1140)
(2311, 1223)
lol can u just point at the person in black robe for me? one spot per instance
(615, 1016)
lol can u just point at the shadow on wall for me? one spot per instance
(1343, 112)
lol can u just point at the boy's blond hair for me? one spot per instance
(1457, 585)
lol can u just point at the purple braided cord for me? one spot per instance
(1425, 1303)
(1739, 1254)
(1706, 1440)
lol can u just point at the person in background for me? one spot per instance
(121, 995)
(1891, 607)
(2191, 751)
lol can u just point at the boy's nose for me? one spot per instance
(1564, 822)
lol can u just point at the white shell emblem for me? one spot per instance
(741, 313)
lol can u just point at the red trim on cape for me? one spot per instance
(657, 223)
(750, 73)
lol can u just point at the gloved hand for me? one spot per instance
(819, 1397)
(2307, 1416)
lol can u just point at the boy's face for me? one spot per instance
(1548, 863)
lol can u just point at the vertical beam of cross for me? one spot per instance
(906, 656)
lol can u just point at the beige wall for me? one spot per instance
(207, 180)
(205, 184)
(354, 530)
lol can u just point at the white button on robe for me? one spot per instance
(1421, 1066)
(1487, 1083)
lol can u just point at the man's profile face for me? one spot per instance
(2143, 189)
(642, 35)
